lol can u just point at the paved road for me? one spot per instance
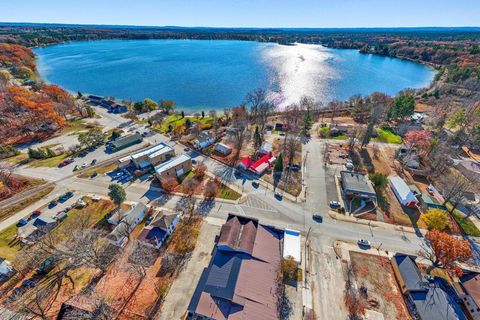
(262, 204)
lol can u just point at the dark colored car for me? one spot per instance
(34, 215)
(29, 283)
(83, 154)
(94, 174)
(93, 162)
(317, 218)
(53, 203)
(21, 222)
(149, 219)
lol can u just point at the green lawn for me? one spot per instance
(387, 135)
(227, 193)
(465, 223)
(177, 120)
(9, 248)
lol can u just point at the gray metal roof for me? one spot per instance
(410, 273)
(434, 304)
(356, 182)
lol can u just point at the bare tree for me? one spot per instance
(238, 130)
(453, 186)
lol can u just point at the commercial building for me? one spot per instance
(357, 185)
(403, 193)
(291, 245)
(426, 300)
(468, 291)
(124, 142)
(175, 167)
(241, 279)
(148, 157)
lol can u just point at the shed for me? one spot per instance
(265, 148)
(291, 245)
(429, 202)
(403, 193)
(223, 148)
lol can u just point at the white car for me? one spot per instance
(84, 165)
(363, 242)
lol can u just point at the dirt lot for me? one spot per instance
(376, 274)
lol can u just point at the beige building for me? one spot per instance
(175, 167)
(147, 157)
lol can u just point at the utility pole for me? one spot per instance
(306, 267)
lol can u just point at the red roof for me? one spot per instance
(261, 161)
(246, 162)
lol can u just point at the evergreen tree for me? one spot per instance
(203, 114)
(188, 123)
(117, 194)
(367, 135)
(183, 114)
(307, 122)
(50, 153)
(257, 138)
(279, 164)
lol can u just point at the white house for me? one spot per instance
(125, 223)
(203, 140)
(403, 193)
(265, 148)
(6, 268)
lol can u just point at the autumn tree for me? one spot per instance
(436, 219)
(453, 185)
(199, 171)
(168, 105)
(211, 188)
(238, 129)
(169, 184)
(418, 139)
(288, 269)
(447, 251)
(257, 139)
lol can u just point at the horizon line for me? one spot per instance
(231, 27)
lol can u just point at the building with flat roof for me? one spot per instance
(175, 167)
(241, 279)
(148, 157)
(291, 245)
(356, 184)
(124, 142)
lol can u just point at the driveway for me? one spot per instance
(183, 287)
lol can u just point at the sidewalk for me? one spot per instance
(341, 217)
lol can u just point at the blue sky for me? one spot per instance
(247, 13)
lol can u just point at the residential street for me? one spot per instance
(325, 274)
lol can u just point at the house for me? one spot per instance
(291, 245)
(157, 231)
(427, 202)
(403, 193)
(426, 300)
(245, 163)
(223, 149)
(124, 142)
(241, 279)
(134, 215)
(281, 126)
(35, 229)
(175, 167)
(262, 164)
(468, 291)
(357, 185)
(6, 269)
(125, 222)
(338, 129)
(265, 148)
(203, 140)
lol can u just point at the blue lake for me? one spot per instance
(208, 75)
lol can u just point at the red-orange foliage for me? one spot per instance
(16, 55)
(449, 250)
(26, 114)
(200, 170)
(211, 188)
(418, 139)
(169, 184)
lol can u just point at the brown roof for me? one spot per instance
(239, 286)
(239, 234)
(163, 221)
(472, 286)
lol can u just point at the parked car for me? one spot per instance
(21, 223)
(317, 218)
(46, 266)
(94, 174)
(75, 168)
(148, 220)
(349, 166)
(80, 204)
(186, 149)
(255, 184)
(96, 198)
(29, 283)
(363, 242)
(52, 203)
(35, 214)
(430, 189)
(93, 162)
(84, 165)
(150, 177)
(334, 204)
(60, 215)
(83, 154)
(67, 208)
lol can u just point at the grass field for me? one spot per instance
(387, 135)
(177, 120)
(465, 223)
(227, 193)
(100, 170)
(22, 204)
(8, 246)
